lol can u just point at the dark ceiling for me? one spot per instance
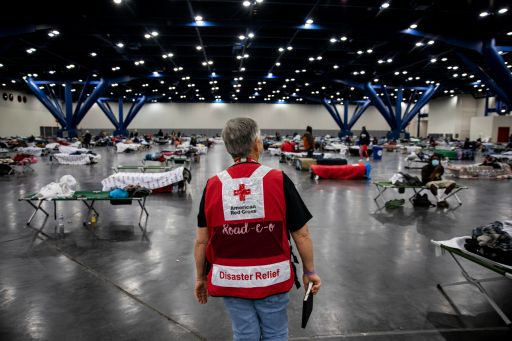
(249, 69)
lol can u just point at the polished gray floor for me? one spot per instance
(378, 268)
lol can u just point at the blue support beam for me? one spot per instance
(358, 113)
(43, 98)
(377, 102)
(398, 106)
(103, 84)
(68, 119)
(134, 110)
(108, 112)
(121, 124)
(422, 101)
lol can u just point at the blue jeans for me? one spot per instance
(254, 320)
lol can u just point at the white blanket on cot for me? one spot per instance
(458, 243)
(70, 150)
(36, 151)
(147, 180)
(82, 159)
(122, 147)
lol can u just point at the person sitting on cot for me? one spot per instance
(431, 177)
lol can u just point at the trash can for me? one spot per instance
(377, 153)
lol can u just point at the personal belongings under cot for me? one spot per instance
(458, 248)
(383, 186)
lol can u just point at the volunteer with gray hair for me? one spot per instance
(242, 248)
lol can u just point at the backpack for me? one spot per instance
(421, 200)
(411, 180)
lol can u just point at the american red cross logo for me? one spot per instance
(242, 192)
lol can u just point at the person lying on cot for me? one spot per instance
(431, 176)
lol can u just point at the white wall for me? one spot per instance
(487, 126)
(452, 115)
(26, 118)
(23, 119)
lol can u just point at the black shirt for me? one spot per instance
(297, 214)
(427, 173)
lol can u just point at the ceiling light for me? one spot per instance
(198, 18)
(246, 3)
(198, 48)
(289, 48)
(444, 59)
(251, 35)
(404, 72)
(503, 10)
(343, 38)
(380, 61)
(311, 59)
(154, 34)
(118, 2)
(147, 35)
(53, 33)
(397, 73)
(1, 65)
(359, 52)
(333, 40)
(431, 42)
(509, 33)
(120, 45)
(483, 14)
(70, 66)
(51, 72)
(319, 58)
(389, 60)
(241, 37)
(335, 66)
(413, 26)
(384, 5)
(433, 60)
(419, 43)
(278, 64)
(31, 50)
(309, 22)
(242, 69)
(270, 74)
(210, 62)
(369, 51)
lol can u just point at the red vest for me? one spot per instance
(248, 249)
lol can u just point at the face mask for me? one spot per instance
(435, 163)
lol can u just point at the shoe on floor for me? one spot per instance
(443, 204)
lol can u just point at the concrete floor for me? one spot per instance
(378, 268)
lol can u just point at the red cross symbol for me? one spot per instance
(242, 192)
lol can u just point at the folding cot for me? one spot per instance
(143, 168)
(455, 247)
(383, 186)
(89, 198)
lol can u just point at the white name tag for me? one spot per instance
(250, 276)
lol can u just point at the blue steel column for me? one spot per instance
(398, 106)
(68, 101)
(89, 102)
(377, 102)
(41, 96)
(108, 112)
(422, 101)
(121, 130)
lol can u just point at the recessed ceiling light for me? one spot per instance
(431, 42)
(280, 49)
(433, 60)
(309, 22)
(483, 14)
(389, 60)
(503, 10)
(419, 43)
(343, 38)
(413, 26)
(120, 45)
(246, 3)
(147, 35)
(335, 66)
(241, 37)
(384, 5)
(289, 48)
(198, 18)
(93, 54)
(251, 35)
(333, 40)
(278, 64)
(509, 33)
(359, 52)
(444, 59)
(118, 2)
(154, 34)
(369, 51)
(199, 48)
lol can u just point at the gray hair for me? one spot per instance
(239, 134)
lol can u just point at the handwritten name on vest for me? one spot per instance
(249, 277)
(246, 228)
(249, 209)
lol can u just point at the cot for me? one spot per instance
(383, 186)
(340, 172)
(455, 248)
(141, 168)
(89, 198)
